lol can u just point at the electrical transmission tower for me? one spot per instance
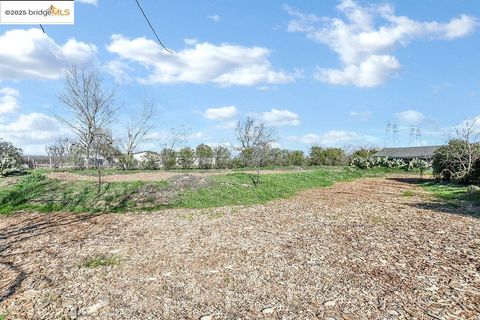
(395, 135)
(388, 131)
(412, 140)
(418, 137)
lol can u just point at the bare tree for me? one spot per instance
(255, 139)
(138, 129)
(58, 152)
(469, 133)
(104, 151)
(251, 133)
(178, 138)
(92, 107)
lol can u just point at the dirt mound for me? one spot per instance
(154, 195)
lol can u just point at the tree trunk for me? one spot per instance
(99, 181)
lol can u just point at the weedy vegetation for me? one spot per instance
(37, 192)
(101, 261)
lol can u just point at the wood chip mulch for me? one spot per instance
(357, 250)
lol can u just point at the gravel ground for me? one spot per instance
(357, 250)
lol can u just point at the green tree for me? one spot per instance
(151, 161)
(317, 156)
(186, 158)
(169, 158)
(364, 153)
(205, 156)
(297, 158)
(334, 157)
(10, 157)
(222, 157)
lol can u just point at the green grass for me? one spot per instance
(39, 193)
(450, 193)
(101, 261)
(36, 192)
(408, 193)
(237, 188)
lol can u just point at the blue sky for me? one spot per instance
(321, 72)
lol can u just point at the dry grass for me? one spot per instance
(357, 250)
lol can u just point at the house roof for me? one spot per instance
(142, 152)
(35, 157)
(407, 152)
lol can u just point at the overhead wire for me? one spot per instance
(151, 27)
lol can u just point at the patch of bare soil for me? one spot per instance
(151, 175)
(7, 181)
(164, 195)
(357, 250)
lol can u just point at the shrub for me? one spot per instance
(419, 164)
(222, 157)
(204, 156)
(377, 162)
(186, 158)
(317, 156)
(458, 161)
(10, 158)
(296, 158)
(328, 156)
(169, 158)
(151, 161)
(125, 162)
(364, 153)
(246, 158)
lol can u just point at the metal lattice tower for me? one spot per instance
(388, 131)
(418, 137)
(395, 134)
(412, 140)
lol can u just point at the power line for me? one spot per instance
(151, 27)
(41, 27)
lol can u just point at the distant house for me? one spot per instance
(408, 153)
(139, 156)
(35, 161)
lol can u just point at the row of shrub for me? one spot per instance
(220, 157)
(384, 162)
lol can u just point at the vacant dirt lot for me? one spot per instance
(153, 175)
(358, 250)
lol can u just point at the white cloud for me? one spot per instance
(364, 46)
(369, 73)
(196, 136)
(190, 41)
(224, 64)
(118, 70)
(9, 100)
(94, 2)
(222, 113)
(227, 125)
(31, 54)
(280, 118)
(335, 138)
(32, 131)
(360, 115)
(410, 117)
(214, 17)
